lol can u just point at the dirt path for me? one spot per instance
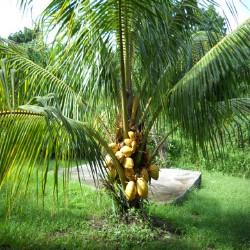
(172, 185)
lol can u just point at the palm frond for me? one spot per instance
(12, 90)
(30, 139)
(213, 79)
(41, 81)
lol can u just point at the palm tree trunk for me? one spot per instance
(123, 77)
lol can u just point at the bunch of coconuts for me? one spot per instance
(137, 177)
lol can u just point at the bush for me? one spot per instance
(234, 160)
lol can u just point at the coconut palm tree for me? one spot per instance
(125, 67)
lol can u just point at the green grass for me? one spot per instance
(215, 217)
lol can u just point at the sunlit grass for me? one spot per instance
(214, 217)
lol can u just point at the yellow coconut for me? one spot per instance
(153, 171)
(114, 147)
(127, 151)
(130, 190)
(131, 135)
(128, 163)
(128, 142)
(144, 174)
(129, 173)
(108, 161)
(134, 146)
(120, 156)
(142, 187)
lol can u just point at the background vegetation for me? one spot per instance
(233, 160)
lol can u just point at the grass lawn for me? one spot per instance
(215, 217)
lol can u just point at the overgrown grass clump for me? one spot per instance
(214, 217)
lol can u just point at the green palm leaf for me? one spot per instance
(29, 138)
(40, 81)
(213, 78)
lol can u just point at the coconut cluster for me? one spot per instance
(137, 177)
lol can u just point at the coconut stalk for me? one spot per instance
(124, 103)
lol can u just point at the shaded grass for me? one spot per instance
(215, 217)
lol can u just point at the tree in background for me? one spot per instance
(25, 36)
(126, 67)
(211, 21)
(32, 41)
